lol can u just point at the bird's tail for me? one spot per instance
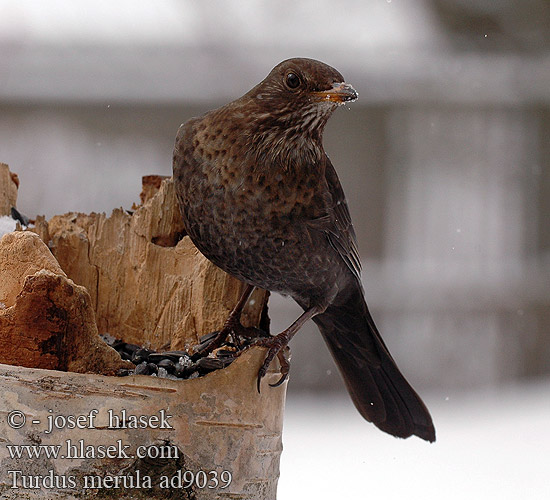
(377, 387)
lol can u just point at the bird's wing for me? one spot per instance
(336, 222)
(183, 164)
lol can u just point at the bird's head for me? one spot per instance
(286, 113)
(300, 94)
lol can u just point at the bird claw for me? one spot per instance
(263, 369)
(284, 376)
(276, 348)
(259, 379)
(284, 361)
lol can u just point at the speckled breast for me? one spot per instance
(250, 222)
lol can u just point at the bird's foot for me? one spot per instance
(241, 337)
(277, 346)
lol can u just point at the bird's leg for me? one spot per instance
(232, 326)
(277, 344)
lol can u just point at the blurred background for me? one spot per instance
(445, 160)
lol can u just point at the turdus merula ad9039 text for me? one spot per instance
(260, 199)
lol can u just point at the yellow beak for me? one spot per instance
(339, 93)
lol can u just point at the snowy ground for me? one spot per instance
(490, 445)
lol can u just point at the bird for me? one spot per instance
(260, 199)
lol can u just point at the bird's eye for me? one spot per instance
(292, 81)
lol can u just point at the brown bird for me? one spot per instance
(260, 199)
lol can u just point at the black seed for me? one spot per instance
(130, 348)
(140, 355)
(209, 364)
(155, 357)
(125, 356)
(118, 345)
(208, 337)
(184, 371)
(224, 353)
(168, 365)
(174, 356)
(142, 369)
(227, 360)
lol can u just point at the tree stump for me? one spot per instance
(74, 435)
(147, 285)
(9, 182)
